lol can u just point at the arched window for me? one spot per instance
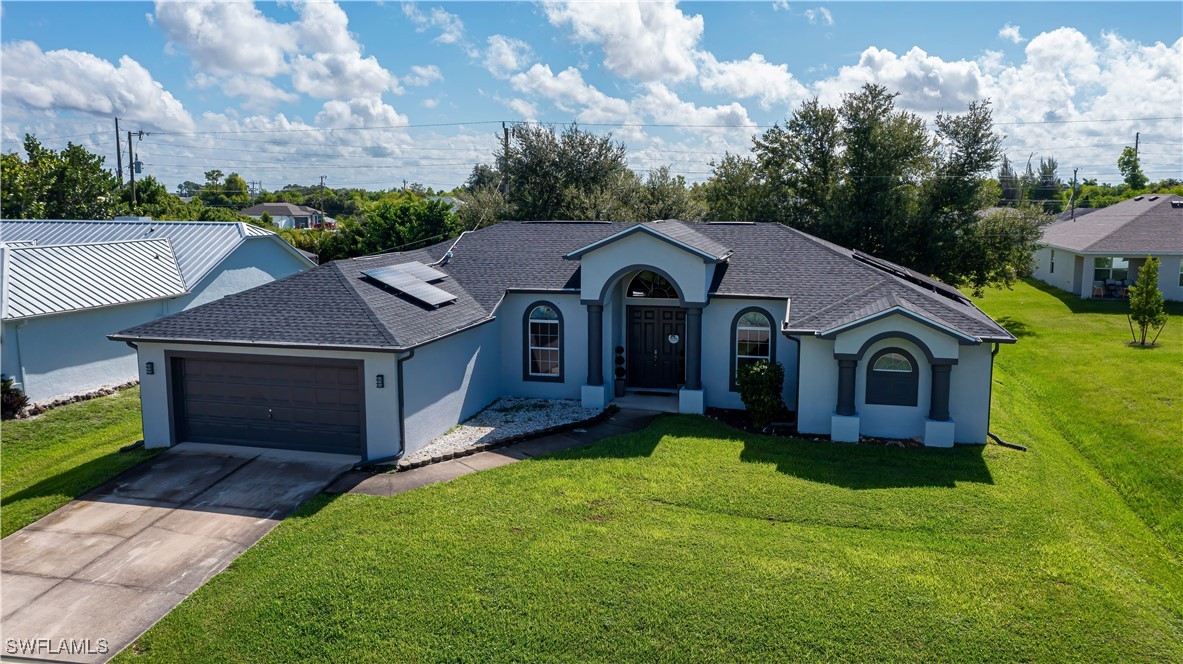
(752, 340)
(543, 341)
(651, 284)
(892, 378)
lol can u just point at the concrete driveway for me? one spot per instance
(103, 569)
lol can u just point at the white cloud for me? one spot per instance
(925, 82)
(820, 14)
(430, 103)
(569, 92)
(780, 6)
(506, 55)
(360, 112)
(66, 80)
(450, 26)
(423, 75)
(341, 75)
(665, 107)
(646, 41)
(525, 110)
(754, 77)
(1011, 33)
(227, 37)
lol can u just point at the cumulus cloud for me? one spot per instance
(450, 26)
(525, 110)
(227, 37)
(773, 84)
(821, 14)
(339, 75)
(360, 112)
(67, 80)
(665, 107)
(645, 41)
(1011, 33)
(925, 82)
(423, 75)
(506, 55)
(569, 92)
(780, 6)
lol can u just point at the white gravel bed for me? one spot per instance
(505, 417)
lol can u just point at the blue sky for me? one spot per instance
(288, 92)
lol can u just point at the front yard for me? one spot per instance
(691, 541)
(48, 461)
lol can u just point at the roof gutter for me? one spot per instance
(246, 342)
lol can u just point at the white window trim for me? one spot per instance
(530, 347)
(903, 359)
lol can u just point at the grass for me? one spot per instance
(47, 461)
(692, 541)
(1121, 407)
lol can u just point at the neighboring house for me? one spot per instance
(65, 285)
(1098, 255)
(290, 215)
(376, 356)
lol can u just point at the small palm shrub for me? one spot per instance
(12, 400)
(760, 387)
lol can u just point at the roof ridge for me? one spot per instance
(1165, 198)
(373, 317)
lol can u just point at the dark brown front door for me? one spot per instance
(309, 404)
(656, 347)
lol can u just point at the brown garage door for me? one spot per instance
(291, 403)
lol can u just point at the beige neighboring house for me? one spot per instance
(1099, 255)
(289, 215)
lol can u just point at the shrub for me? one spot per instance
(760, 387)
(12, 400)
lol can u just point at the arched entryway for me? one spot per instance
(655, 333)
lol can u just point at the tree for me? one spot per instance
(734, 192)
(213, 178)
(665, 196)
(999, 249)
(1131, 169)
(71, 184)
(188, 189)
(235, 190)
(1008, 180)
(1047, 190)
(800, 165)
(1146, 307)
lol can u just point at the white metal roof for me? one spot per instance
(197, 245)
(41, 280)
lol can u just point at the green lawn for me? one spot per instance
(48, 461)
(691, 541)
(1121, 407)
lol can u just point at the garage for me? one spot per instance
(306, 404)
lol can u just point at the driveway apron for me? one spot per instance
(82, 583)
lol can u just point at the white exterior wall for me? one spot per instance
(279, 220)
(510, 318)
(1168, 273)
(1168, 278)
(1063, 277)
(449, 381)
(381, 405)
(717, 351)
(969, 394)
(68, 353)
(691, 274)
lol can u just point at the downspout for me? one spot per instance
(797, 389)
(402, 420)
(990, 388)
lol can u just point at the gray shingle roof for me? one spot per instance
(198, 245)
(43, 280)
(334, 306)
(1137, 226)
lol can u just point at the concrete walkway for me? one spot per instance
(103, 569)
(389, 484)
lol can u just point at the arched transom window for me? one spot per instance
(892, 378)
(752, 341)
(651, 284)
(544, 339)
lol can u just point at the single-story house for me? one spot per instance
(65, 285)
(376, 356)
(1099, 255)
(290, 215)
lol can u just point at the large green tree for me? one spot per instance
(1131, 169)
(46, 184)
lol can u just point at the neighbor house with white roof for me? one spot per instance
(65, 285)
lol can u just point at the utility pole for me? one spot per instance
(1137, 139)
(131, 168)
(1073, 213)
(322, 193)
(118, 155)
(505, 157)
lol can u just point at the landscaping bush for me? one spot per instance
(12, 400)
(760, 387)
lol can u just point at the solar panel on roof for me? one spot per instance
(421, 271)
(410, 286)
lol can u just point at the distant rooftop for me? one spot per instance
(1150, 224)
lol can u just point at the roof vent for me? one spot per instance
(1177, 204)
(1154, 198)
(1138, 198)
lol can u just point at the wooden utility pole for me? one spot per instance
(1073, 213)
(505, 157)
(131, 168)
(1137, 139)
(118, 155)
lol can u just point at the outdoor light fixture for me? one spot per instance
(381, 380)
(149, 368)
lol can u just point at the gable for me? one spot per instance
(602, 267)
